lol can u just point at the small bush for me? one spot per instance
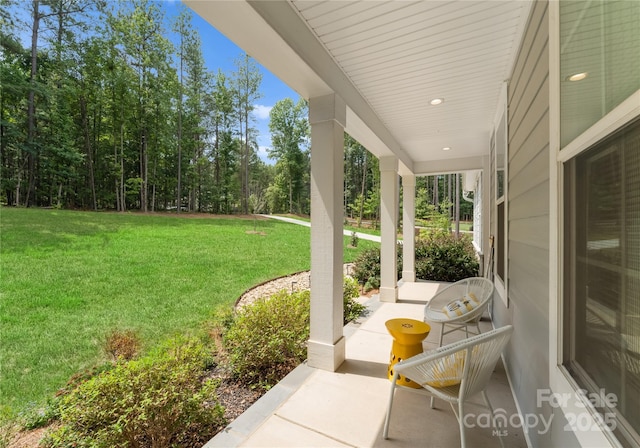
(442, 257)
(268, 338)
(439, 257)
(366, 268)
(354, 239)
(352, 309)
(158, 401)
(122, 344)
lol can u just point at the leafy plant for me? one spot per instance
(366, 268)
(268, 338)
(352, 309)
(442, 257)
(439, 257)
(354, 239)
(157, 401)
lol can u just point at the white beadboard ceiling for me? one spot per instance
(402, 54)
(387, 60)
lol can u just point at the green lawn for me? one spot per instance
(69, 278)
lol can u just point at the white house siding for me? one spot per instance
(528, 229)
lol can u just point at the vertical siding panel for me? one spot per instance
(527, 356)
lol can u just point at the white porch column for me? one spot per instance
(388, 228)
(408, 228)
(327, 116)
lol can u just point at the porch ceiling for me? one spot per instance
(388, 59)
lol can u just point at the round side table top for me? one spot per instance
(407, 331)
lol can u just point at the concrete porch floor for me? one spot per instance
(316, 408)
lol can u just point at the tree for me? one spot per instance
(225, 148)
(147, 51)
(14, 69)
(362, 181)
(289, 133)
(246, 89)
(62, 11)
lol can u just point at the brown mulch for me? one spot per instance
(28, 439)
(234, 396)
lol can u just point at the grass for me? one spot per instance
(70, 278)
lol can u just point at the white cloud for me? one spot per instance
(261, 111)
(263, 153)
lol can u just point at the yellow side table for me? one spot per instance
(408, 335)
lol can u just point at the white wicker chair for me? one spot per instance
(454, 372)
(481, 288)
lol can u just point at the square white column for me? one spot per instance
(388, 229)
(327, 116)
(408, 228)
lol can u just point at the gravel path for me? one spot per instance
(293, 282)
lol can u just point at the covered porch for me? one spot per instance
(314, 407)
(423, 86)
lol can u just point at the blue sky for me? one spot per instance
(220, 52)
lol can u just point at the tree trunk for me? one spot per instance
(31, 114)
(245, 188)
(179, 192)
(362, 190)
(88, 150)
(436, 200)
(123, 197)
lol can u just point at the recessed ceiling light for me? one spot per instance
(446, 148)
(436, 101)
(577, 76)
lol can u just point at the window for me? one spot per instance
(602, 275)
(600, 48)
(499, 148)
(599, 42)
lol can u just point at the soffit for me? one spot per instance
(387, 60)
(399, 55)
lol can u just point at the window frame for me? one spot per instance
(560, 380)
(501, 245)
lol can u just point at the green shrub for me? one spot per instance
(352, 309)
(439, 257)
(366, 268)
(158, 401)
(354, 239)
(268, 338)
(442, 257)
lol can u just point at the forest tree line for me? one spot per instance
(111, 106)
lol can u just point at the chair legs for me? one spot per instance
(385, 432)
(488, 403)
(461, 423)
(459, 413)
